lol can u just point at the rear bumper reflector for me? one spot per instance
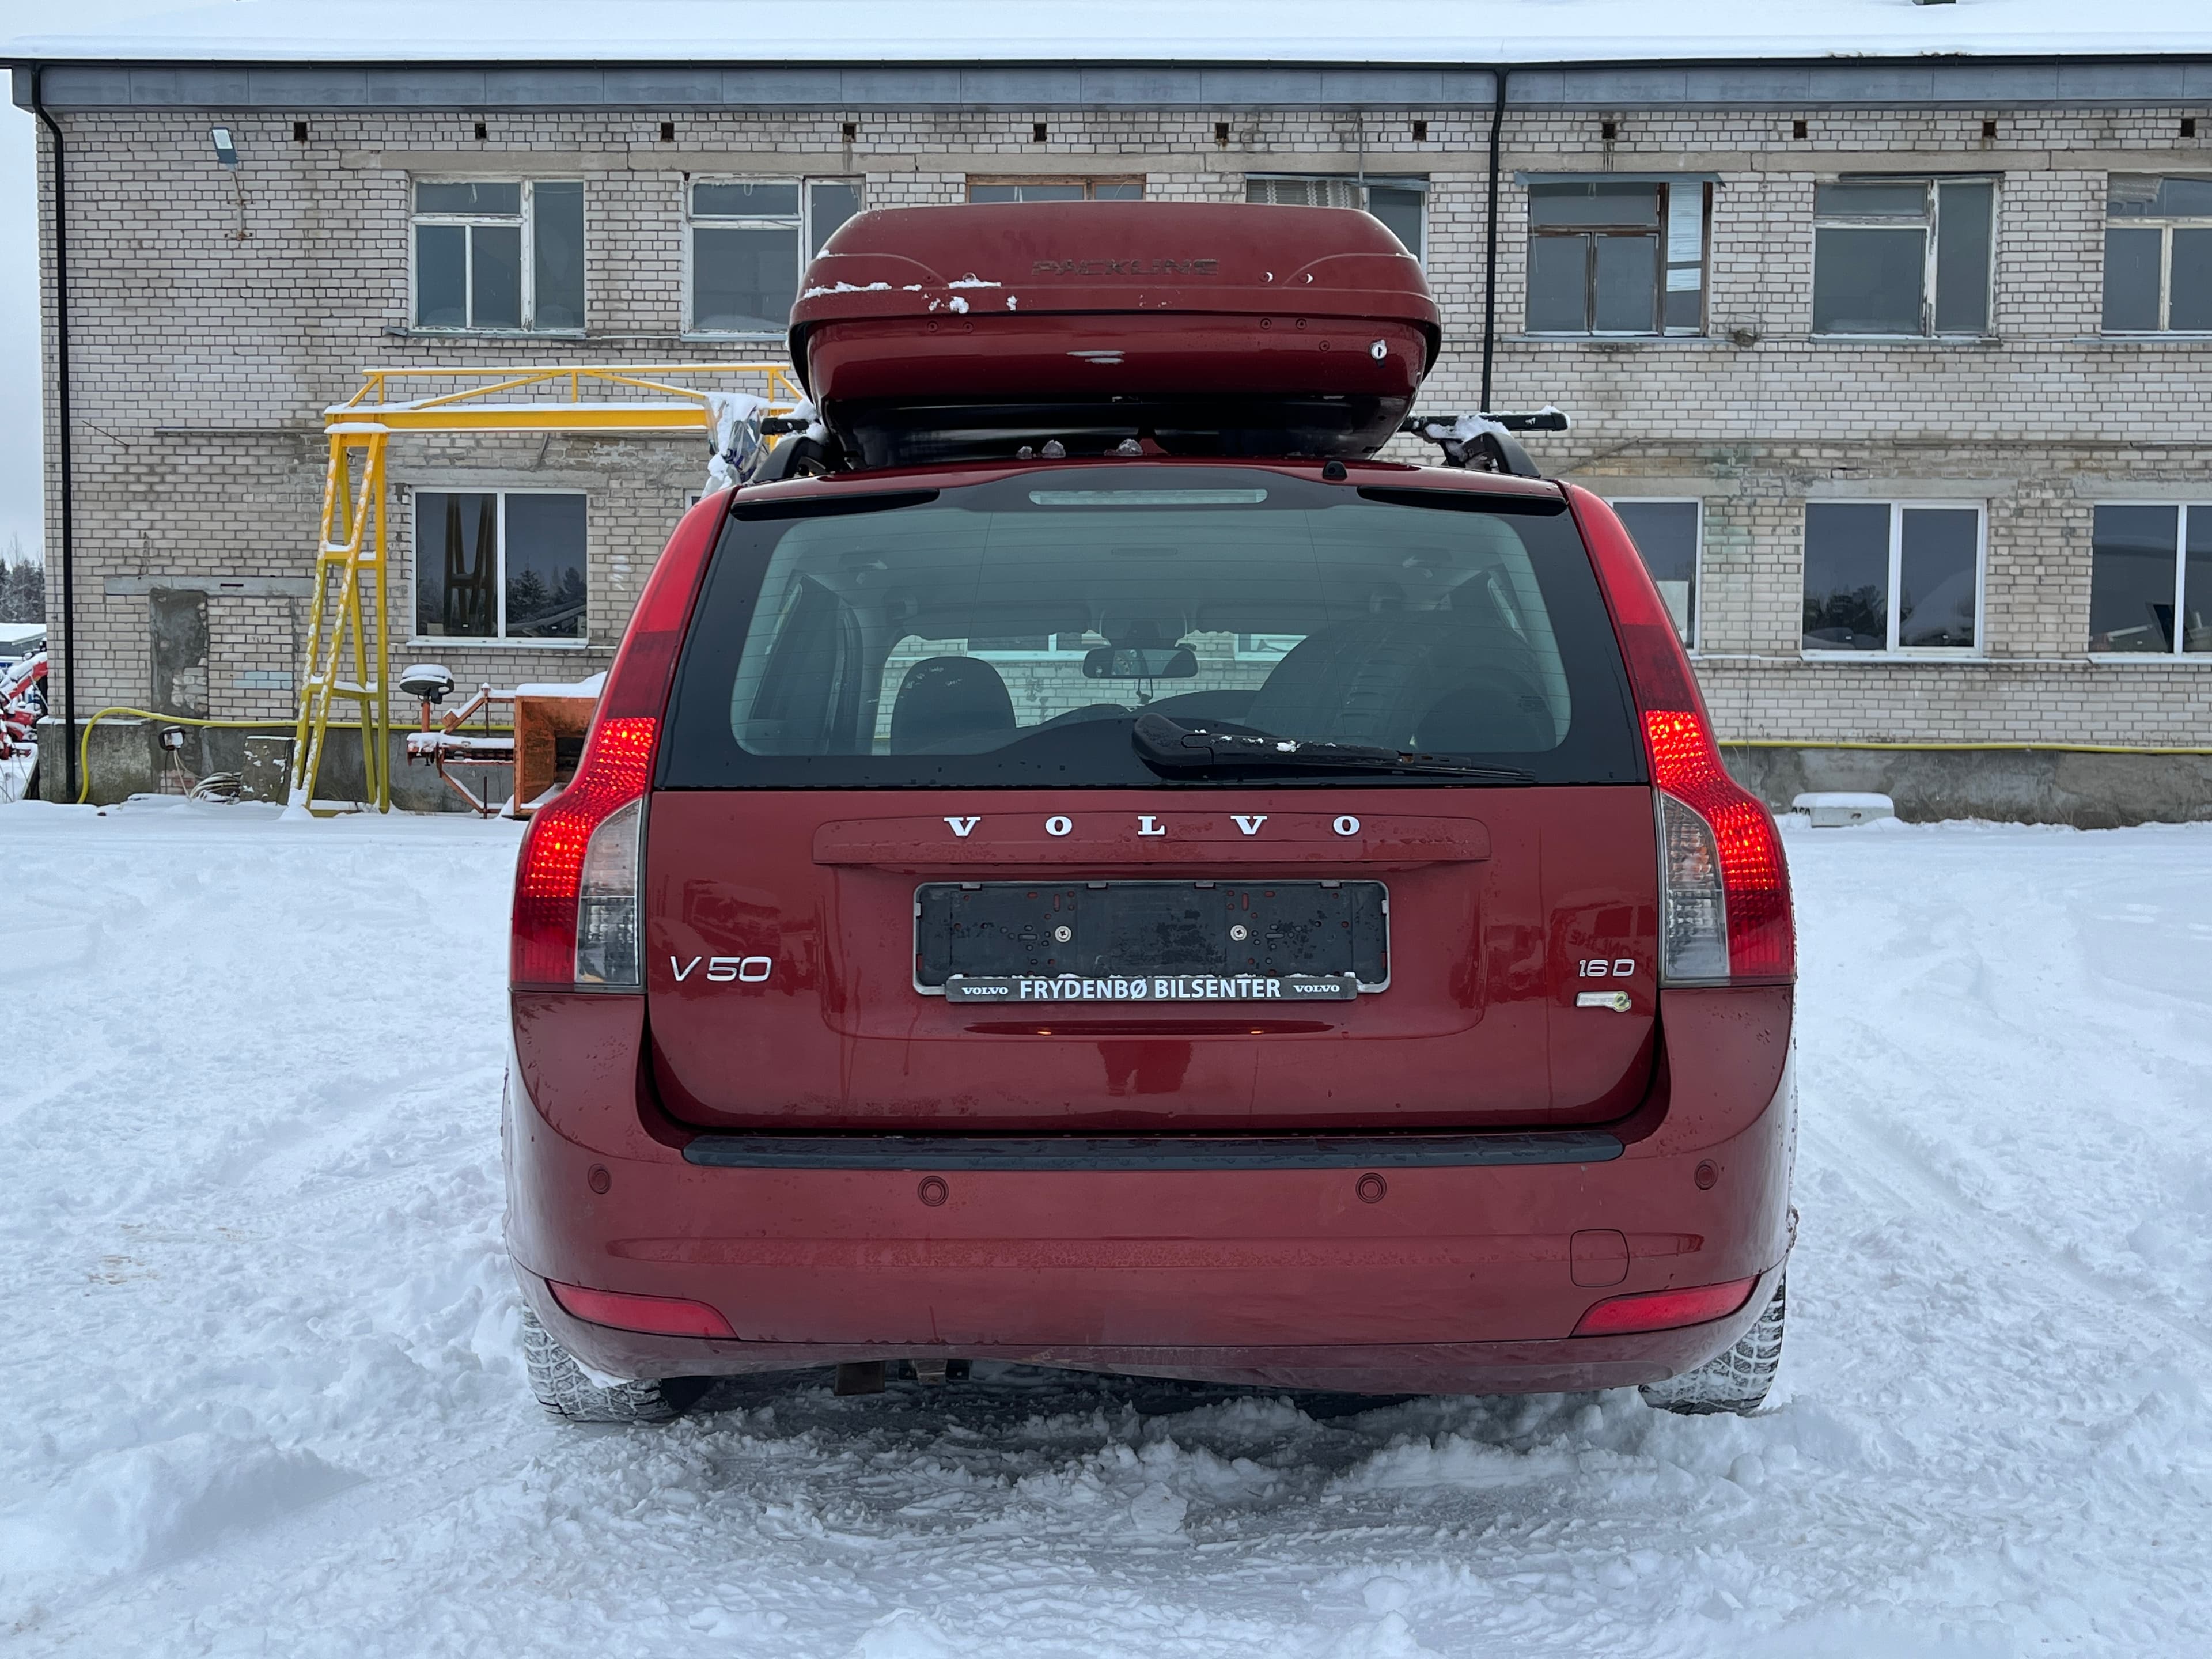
(1665, 1310)
(1025, 1153)
(659, 1316)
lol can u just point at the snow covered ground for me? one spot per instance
(262, 1394)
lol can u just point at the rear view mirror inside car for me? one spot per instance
(1131, 662)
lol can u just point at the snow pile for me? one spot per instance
(590, 686)
(264, 1394)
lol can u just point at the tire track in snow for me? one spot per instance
(1856, 1146)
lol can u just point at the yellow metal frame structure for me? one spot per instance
(347, 654)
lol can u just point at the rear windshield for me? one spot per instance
(1010, 634)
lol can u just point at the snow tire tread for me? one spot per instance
(1737, 1381)
(565, 1391)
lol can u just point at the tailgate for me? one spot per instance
(1262, 959)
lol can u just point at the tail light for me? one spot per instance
(578, 881)
(1724, 887)
(1665, 1310)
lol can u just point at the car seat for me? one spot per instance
(1431, 681)
(955, 704)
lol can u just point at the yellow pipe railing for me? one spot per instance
(273, 727)
(1957, 748)
(377, 386)
(84, 742)
(84, 737)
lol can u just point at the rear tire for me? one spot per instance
(564, 1389)
(1737, 1381)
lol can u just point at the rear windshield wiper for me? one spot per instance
(1168, 746)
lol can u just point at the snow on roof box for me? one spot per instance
(946, 333)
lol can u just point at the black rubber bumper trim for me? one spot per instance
(1400, 1151)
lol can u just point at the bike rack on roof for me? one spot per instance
(1486, 443)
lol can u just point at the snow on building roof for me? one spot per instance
(851, 32)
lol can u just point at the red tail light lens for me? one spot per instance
(661, 1316)
(1754, 883)
(1725, 886)
(617, 768)
(576, 881)
(1665, 1310)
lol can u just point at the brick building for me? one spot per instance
(1901, 361)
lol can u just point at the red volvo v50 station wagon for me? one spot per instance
(1088, 867)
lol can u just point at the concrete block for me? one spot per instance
(267, 773)
(1836, 809)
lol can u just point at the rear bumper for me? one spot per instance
(1454, 1277)
(1559, 1365)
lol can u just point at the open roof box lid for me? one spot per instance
(955, 333)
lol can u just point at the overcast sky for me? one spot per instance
(19, 313)
(20, 512)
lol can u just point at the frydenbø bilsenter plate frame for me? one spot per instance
(1313, 941)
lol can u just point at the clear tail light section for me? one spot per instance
(1692, 897)
(1724, 887)
(578, 878)
(607, 902)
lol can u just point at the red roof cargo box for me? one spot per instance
(950, 333)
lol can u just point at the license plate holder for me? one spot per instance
(1151, 941)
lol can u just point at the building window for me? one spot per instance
(1399, 202)
(1666, 534)
(2150, 581)
(499, 257)
(2158, 255)
(1902, 256)
(749, 240)
(499, 565)
(1610, 257)
(1056, 190)
(1891, 576)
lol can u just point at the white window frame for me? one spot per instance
(2165, 224)
(1359, 184)
(1697, 559)
(1932, 232)
(1893, 652)
(804, 221)
(501, 638)
(527, 219)
(2180, 581)
(1089, 181)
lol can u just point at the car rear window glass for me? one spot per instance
(1010, 634)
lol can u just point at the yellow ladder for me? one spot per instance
(346, 627)
(348, 612)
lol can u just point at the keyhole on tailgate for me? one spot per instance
(1240, 932)
(1063, 933)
